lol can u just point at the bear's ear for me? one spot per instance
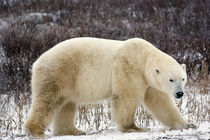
(157, 71)
(183, 66)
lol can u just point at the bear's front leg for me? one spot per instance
(164, 109)
(124, 108)
(128, 89)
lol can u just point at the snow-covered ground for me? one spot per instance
(158, 132)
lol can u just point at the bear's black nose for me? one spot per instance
(179, 94)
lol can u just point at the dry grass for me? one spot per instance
(12, 115)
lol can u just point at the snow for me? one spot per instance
(158, 132)
(201, 133)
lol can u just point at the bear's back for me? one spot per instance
(82, 63)
(95, 76)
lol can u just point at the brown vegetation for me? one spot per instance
(27, 29)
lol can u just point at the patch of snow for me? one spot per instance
(127, 24)
(38, 17)
(3, 23)
(202, 132)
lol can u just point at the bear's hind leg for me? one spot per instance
(40, 115)
(63, 123)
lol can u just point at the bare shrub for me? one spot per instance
(179, 28)
(23, 43)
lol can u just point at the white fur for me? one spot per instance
(86, 70)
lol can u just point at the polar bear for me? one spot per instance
(87, 70)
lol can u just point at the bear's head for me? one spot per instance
(167, 76)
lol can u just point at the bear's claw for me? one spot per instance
(190, 125)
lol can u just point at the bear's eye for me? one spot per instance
(171, 80)
(183, 79)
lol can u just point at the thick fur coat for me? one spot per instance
(87, 70)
